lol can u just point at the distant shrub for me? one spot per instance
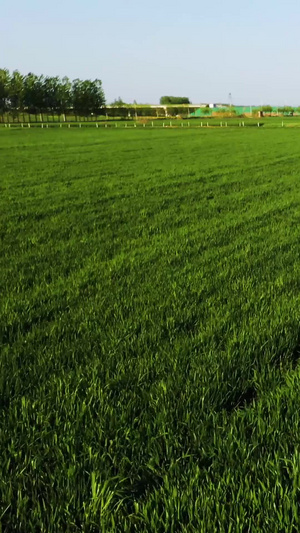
(165, 100)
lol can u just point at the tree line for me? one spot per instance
(143, 111)
(49, 94)
(285, 110)
(54, 95)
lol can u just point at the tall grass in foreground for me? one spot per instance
(149, 331)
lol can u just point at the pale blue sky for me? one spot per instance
(144, 49)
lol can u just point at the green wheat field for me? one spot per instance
(150, 330)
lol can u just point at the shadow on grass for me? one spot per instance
(282, 362)
(240, 400)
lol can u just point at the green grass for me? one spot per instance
(149, 319)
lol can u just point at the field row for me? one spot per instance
(149, 331)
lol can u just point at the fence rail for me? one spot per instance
(151, 125)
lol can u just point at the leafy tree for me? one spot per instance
(119, 103)
(16, 92)
(286, 110)
(289, 110)
(51, 93)
(88, 96)
(267, 109)
(173, 100)
(78, 97)
(4, 88)
(64, 96)
(34, 98)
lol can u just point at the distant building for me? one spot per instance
(213, 106)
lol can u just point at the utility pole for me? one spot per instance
(230, 102)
